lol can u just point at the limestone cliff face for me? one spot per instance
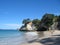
(25, 29)
(55, 26)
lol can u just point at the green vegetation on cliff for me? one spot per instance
(44, 23)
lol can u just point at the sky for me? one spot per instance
(12, 12)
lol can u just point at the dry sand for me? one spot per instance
(34, 43)
(48, 39)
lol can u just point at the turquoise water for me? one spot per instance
(11, 37)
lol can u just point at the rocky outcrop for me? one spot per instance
(58, 26)
(55, 26)
(23, 28)
(42, 27)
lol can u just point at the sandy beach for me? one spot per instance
(49, 38)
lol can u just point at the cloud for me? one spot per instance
(12, 25)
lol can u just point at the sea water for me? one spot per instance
(11, 37)
(15, 37)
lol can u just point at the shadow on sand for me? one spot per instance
(49, 41)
